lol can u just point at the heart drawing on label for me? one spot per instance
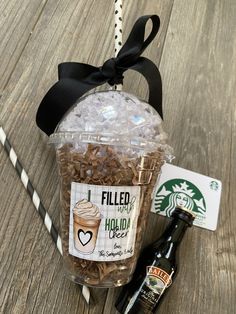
(84, 237)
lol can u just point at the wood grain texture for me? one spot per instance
(30, 267)
(196, 48)
(198, 68)
(17, 22)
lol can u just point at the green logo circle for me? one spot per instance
(179, 192)
(214, 185)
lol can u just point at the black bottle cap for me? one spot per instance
(185, 214)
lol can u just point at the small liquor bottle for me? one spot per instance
(156, 268)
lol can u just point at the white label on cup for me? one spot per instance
(103, 221)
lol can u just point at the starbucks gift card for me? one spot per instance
(180, 187)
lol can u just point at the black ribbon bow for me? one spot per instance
(75, 79)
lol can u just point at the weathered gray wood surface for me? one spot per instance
(196, 50)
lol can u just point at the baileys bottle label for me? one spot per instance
(156, 282)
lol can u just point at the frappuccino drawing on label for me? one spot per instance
(87, 219)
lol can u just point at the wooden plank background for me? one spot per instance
(196, 51)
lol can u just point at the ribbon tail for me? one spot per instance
(153, 77)
(58, 101)
(75, 70)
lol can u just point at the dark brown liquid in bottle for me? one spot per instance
(156, 269)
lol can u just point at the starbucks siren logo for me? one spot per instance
(179, 192)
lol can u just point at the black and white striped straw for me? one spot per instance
(36, 200)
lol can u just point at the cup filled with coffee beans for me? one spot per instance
(110, 148)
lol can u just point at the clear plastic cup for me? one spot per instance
(110, 147)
